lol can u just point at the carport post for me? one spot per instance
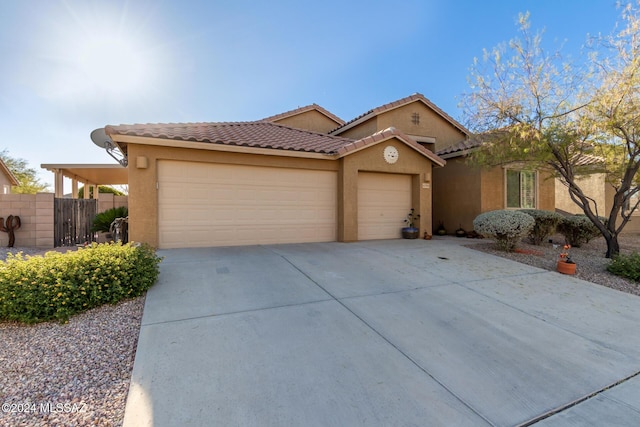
(74, 188)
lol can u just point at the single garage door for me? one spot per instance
(384, 200)
(205, 204)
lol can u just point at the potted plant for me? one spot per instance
(565, 264)
(410, 231)
(441, 231)
(460, 232)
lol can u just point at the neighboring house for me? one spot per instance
(216, 184)
(7, 179)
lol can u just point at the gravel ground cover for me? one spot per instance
(74, 374)
(590, 260)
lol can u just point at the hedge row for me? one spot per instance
(508, 227)
(56, 286)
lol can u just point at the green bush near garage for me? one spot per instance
(58, 285)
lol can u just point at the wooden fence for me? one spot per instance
(72, 220)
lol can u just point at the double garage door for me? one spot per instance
(204, 204)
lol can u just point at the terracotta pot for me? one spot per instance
(566, 268)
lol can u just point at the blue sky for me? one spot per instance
(71, 66)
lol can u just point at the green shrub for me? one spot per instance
(626, 266)
(505, 226)
(578, 229)
(56, 286)
(102, 221)
(545, 224)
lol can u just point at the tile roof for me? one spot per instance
(248, 134)
(265, 135)
(584, 159)
(384, 135)
(579, 159)
(460, 147)
(304, 109)
(399, 103)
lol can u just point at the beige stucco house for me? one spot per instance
(217, 184)
(306, 175)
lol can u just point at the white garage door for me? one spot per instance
(384, 200)
(204, 204)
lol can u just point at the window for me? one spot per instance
(6, 189)
(521, 189)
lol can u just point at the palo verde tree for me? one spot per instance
(533, 107)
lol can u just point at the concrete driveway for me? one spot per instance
(397, 332)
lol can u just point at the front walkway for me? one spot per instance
(380, 333)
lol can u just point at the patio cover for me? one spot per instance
(88, 174)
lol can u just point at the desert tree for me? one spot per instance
(535, 108)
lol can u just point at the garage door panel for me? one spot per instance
(383, 203)
(204, 204)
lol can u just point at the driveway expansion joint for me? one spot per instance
(230, 313)
(576, 402)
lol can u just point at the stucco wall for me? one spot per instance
(371, 160)
(493, 190)
(364, 129)
(592, 185)
(430, 124)
(310, 120)
(463, 191)
(36, 217)
(456, 195)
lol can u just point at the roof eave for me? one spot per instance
(210, 146)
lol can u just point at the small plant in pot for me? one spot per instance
(460, 232)
(441, 231)
(411, 231)
(565, 263)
